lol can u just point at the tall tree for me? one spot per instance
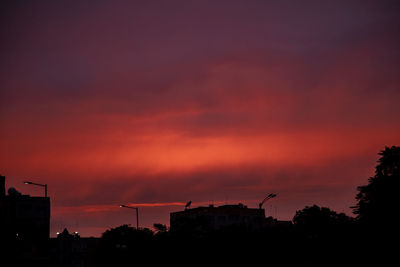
(378, 201)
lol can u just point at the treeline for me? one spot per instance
(318, 235)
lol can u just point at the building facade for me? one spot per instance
(215, 218)
(23, 217)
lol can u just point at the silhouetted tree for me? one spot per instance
(316, 215)
(122, 244)
(317, 219)
(378, 202)
(162, 237)
(324, 232)
(160, 228)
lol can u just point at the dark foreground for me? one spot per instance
(350, 245)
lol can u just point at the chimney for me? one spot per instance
(2, 186)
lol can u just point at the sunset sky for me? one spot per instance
(155, 103)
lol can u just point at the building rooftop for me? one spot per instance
(212, 217)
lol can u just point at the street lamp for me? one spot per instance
(266, 198)
(44, 185)
(137, 214)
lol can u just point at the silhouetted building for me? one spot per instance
(23, 217)
(215, 218)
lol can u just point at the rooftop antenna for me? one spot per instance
(188, 205)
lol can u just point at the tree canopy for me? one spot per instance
(378, 201)
(316, 217)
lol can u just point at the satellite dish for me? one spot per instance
(188, 204)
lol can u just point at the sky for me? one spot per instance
(155, 103)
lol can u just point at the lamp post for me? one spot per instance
(137, 214)
(43, 185)
(266, 198)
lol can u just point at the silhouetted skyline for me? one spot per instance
(155, 103)
(316, 234)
